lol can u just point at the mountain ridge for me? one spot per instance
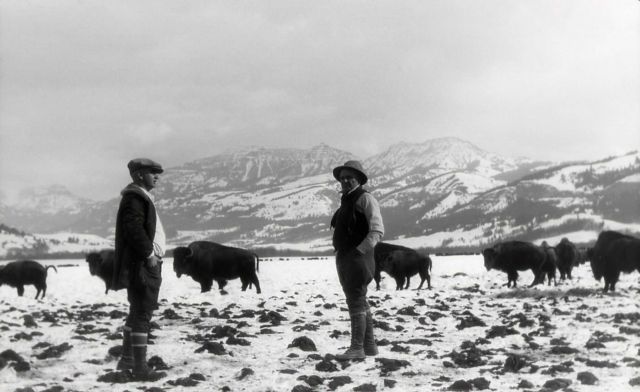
(263, 197)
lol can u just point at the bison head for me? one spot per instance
(386, 264)
(489, 255)
(181, 255)
(590, 254)
(94, 259)
(596, 262)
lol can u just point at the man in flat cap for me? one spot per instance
(140, 244)
(358, 227)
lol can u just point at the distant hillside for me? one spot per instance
(442, 193)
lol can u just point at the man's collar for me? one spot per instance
(146, 192)
(353, 190)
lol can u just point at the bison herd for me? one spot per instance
(612, 254)
(205, 262)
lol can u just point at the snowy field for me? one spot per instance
(467, 332)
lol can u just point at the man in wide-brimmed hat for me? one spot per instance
(357, 228)
(140, 245)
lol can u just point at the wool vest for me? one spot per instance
(351, 226)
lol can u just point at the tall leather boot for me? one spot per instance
(358, 326)
(370, 346)
(126, 359)
(142, 371)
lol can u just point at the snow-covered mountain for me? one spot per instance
(446, 192)
(437, 156)
(51, 200)
(46, 209)
(15, 243)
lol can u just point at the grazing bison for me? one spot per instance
(380, 253)
(514, 256)
(403, 264)
(567, 257)
(612, 254)
(101, 265)
(20, 273)
(207, 261)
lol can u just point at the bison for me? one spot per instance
(403, 264)
(550, 264)
(101, 265)
(514, 256)
(568, 257)
(207, 261)
(380, 252)
(612, 254)
(23, 272)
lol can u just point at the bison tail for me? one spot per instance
(51, 266)
(257, 262)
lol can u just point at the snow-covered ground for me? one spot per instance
(468, 327)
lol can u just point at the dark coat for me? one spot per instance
(351, 226)
(135, 230)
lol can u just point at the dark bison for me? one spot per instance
(101, 265)
(583, 255)
(380, 252)
(568, 257)
(550, 264)
(20, 273)
(207, 261)
(612, 254)
(514, 256)
(403, 264)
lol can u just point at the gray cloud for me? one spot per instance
(83, 82)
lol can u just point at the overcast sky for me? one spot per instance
(87, 85)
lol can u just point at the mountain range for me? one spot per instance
(442, 193)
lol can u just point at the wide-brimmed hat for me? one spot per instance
(353, 165)
(144, 163)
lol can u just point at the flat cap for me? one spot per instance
(144, 163)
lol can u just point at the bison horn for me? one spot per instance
(189, 253)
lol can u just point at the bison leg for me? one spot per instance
(377, 277)
(20, 290)
(424, 275)
(205, 286)
(221, 284)
(614, 280)
(538, 277)
(512, 276)
(610, 281)
(256, 282)
(399, 283)
(406, 286)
